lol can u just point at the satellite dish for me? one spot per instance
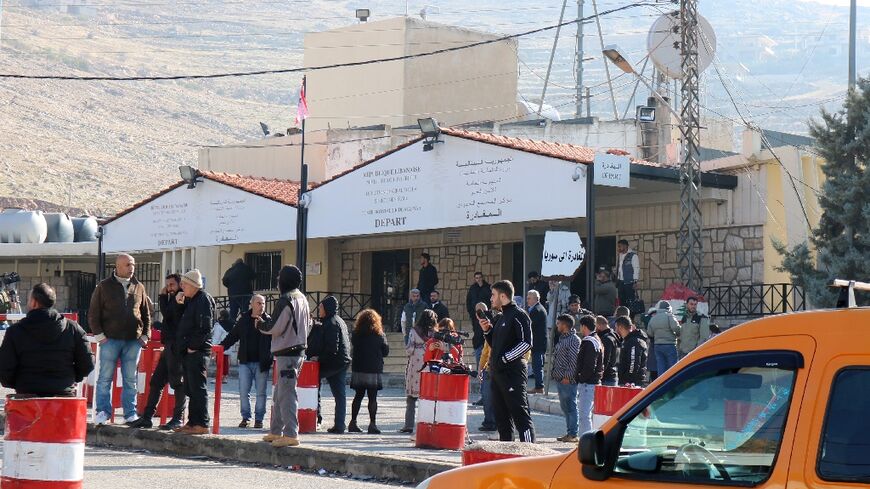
(663, 44)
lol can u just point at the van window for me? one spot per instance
(723, 426)
(844, 455)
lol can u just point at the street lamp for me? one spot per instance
(612, 53)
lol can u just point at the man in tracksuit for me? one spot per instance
(611, 344)
(509, 336)
(590, 367)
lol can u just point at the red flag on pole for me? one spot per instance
(302, 106)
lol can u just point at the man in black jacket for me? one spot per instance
(611, 343)
(436, 305)
(509, 336)
(428, 278)
(538, 316)
(329, 344)
(478, 292)
(255, 359)
(239, 281)
(633, 357)
(44, 354)
(590, 367)
(169, 368)
(194, 345)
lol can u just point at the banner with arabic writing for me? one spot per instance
(563, 253)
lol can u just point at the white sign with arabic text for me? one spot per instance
(612, 170)
(563, 253)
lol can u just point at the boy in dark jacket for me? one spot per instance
(255, 359)
(633, 356)
(44, 354)
(611, 343)
(329, 344)
(590, 367)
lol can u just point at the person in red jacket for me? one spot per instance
(436, 349)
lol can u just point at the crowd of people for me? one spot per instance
(603, 346)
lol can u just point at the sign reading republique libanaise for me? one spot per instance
(208, 215)
(459, 183)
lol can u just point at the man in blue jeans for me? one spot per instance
(564, 368)
(255, 359)
(329, 344)
(664, 330)
(120, 317)
(590, 369)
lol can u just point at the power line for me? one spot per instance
(313, 68)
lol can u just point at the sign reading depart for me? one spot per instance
(208, 215)
(612, 170)
(459, 183)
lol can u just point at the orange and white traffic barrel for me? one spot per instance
(442, 413)
(147, 364)
(609, 400)
(306, 392)
(44, 443)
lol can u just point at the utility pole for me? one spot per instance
(578, 112)
(853, 34)
(690, 250)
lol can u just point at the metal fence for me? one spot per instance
(754, 300)
(349, 304)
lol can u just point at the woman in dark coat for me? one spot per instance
(367, 367)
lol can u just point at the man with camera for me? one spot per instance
(509, 335)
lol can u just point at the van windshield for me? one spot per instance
(723, 425)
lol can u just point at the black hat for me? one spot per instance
(289, 278)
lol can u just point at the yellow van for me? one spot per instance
(781, 402)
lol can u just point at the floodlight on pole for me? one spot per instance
(363, 14)
(612, 53)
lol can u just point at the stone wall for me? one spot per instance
(732, 256)
(456, 265)
(351, 282)
(63, 288)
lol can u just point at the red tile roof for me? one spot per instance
(282, 191)
(562, 151)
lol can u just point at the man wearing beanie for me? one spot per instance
(289, 332)
(194, 345)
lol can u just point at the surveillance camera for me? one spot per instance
(577, 173)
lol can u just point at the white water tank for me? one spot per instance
(86, 228)
(20, 226)
(60, 228)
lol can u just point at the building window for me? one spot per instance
(843, 455)
(266, 266)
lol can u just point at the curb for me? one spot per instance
(349, 462)
(543, 404)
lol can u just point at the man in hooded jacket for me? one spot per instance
(329, 344)
(44, 354)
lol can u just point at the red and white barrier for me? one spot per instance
(306, 392)
(442, 412)
(609, 400)
(44, 443)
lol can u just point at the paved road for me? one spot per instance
(131, 470)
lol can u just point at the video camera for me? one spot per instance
(9, 278)
(450, 337)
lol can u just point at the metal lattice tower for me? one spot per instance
(690, 251)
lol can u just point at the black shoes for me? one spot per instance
(335, 430)
(141, 423)
(244, 423)
(373, 430)
(258, 425)
(353, 428)
(487, 429)
(406, 430)
(172, 425)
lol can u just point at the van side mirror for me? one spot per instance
(591, 448)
